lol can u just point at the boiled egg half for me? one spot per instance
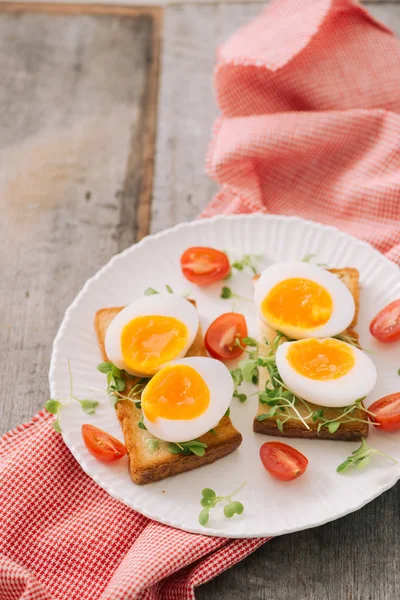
(328, 372)
(151, 332)
(186, 398)
(302, 300)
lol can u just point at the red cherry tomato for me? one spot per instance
(387, 412)
(204, 265)
(102, 445)
(282, 461)
(386, 325)
(222, 333)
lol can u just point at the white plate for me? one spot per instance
(271, 507)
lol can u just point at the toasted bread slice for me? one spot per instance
(350, 431)
(147, 465)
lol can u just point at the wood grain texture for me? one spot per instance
(354, 558)
(77, 112)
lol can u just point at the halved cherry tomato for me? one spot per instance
(387, 412)
(102, 445)
(386, 325)
(204, 265)
(283, 461)
(222, 333)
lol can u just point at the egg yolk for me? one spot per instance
(175, 392)
(321, 359)
(152, 340)
(298, 302)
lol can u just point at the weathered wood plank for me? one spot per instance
(163, 3)
(355, 558)
(187, 107)
(77, 113)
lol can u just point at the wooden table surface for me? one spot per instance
(103, 133)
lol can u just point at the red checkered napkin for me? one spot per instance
(309, 93)
(310, 99)
(62, 536)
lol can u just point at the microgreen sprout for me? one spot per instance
(227, 293)
(152, 443)
(54, 405)
(210, 499)
(192, 447)
(248, 368)
(308, 258)
(140, 424)
(281, 403)
(116, 384)
(150, 291)
(249, 260)
(361, 457)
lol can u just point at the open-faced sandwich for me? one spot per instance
(172, 399)
(314, 376)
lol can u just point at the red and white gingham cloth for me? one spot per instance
(310, 99)
(310, 95)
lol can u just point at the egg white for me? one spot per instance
(342, 299)
(357, 383)
(166, 305)
(219, 381)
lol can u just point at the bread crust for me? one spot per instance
(145, 465)
(351, 431)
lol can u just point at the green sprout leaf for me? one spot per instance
(56, 425)
(226, 293)
(249, 341)
(262, 417)
(88, 406)
(361, 457)
(153, 443)
(174, 448)
(192, 447)
(249, 368)
(53, 406)
(233, 508)
(334, 426)
(204, 516)
(115, 371)
(150, 291)
(209, 499)
(250, 261)
(105, 367)
(169, 289)
(241, 397)
(196, 450)
(238, 265)
(208, 494)
(237, 376)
